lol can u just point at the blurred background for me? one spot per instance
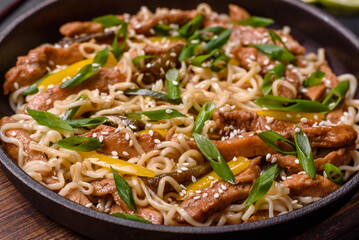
(346, 11)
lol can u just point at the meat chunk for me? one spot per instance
(100, 80)
(323, 137)
(107, 186)
(117, 141)
(237, 13)
(179, 17)
(303, 185)
(260, 215)
(152, 49)
(330, 78)
(80, 198)
(33, 66)
(248, 55)
(24, 137)
(249, 35)
(337, 157)
(72, 29)
(200, 209)
(315, 93)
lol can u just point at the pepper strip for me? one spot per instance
(291, 116)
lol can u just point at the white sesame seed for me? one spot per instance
(105, 133)
(288, 115)
(150, 132)
(48, 101)
(13, 134)
(132, 126)
(204, 195)
(88, 205)
(101, 139)
(131, 143)
(220, 190)
(210, 177)
(332, 105)
(267, 127)
(216, 195)
(50, 86)
(270, 119)
(304, 120)
(297, 130)
(157, 141)
(224, 188)
(181, 194)
(198, 191)
(184, 169)
(169, 111)
(174, 82)
(268, 156)
(184, 191)
(125, 153)
(94, 135)
(274, 160)
(16, 85)
(315, 117)
(196, 197)
(193, 179)
(114, 153)
(179, 170)
(127, 136)
(296, 161)
(182, 186)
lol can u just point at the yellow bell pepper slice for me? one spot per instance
(163, 132)
(233, 62)
(120, 166)
(236, 166)
(291, 116)
(72, 70)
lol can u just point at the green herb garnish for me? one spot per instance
(276, 73)
(118, 50)
(218, 42)
(32, 89)
(87, 122)
(331, 171)
(136, 60)
(274, 52)
(88, 70)
(157, 115)
(153, 94)
(214, 157)
(162, 30)
(78, 143)
(49, 119)
(304, 152)
(108, 20)
(172, 81)
(336, 95)
(255, 21)
(204, 115)
(130, 217)
(275, 37)
(69, 114)
(123, 190)
(314, 79)
(189, 28)
(271, 138)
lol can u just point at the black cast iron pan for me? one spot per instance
(310, 26)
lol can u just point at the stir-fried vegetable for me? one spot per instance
(119, 165)
(236, 166)
(157, 115)
(124, 190)
(333, 173)
(215, 158)
(204, 115)
(70, 114)
(255, 21)
(130, 217)
(172, 82)
(336, 95)
(272, 139)
(86, 122)
(314, 79)
(274, 52)
(49, 120)
(274, 74)
(153, 94)
(290, 116)
(108, 20)
(189, 28)
(262, 184)
(275, 37)
(32, 89)
(78, 143)
(304, 152)
(72, 70)
(118, 50)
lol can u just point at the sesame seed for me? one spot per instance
(204, 195)
(184, 191)
(224, 187)
(184, 169)
(132, 126)
(157, 141)
(270, 119)
(216, 195)
(150, 132)
(174, 82)
(297, 130)
(13, 134)
(315, 117)
(268, 156)
(105, 133)
(210, 177)
(288, 115)
(16, 85)
(94, 135)
(101, 139)
(127, 136)
(194, 179)
(234, 159)
(296, 161)
(220, 190)
(274, 160)
(50, 86)
(131, 143)
(48, 101)
(169, 111)
(198, 191)
(181, 194)
(114, 153)
(88, 205)
(179, 170)
(125, 153)
(304, 120)
(267, 127)
(196, 197)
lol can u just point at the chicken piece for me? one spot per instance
(80, 198)
(76, 28)
(237, 13)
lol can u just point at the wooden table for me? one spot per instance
(20, 220)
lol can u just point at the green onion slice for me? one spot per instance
(108, 20)
(215, 158)
(275, 37)
(271, 138)
(172, 81)
(274, 52)
(123, 190)
(188, 51)
(290, 105)
(255, 21)
(304, 152)
(336, 95)
(314, 79)
(262, 184)
(32, 89)
(88, 70)
(69, 114)
(198, 60)
(204, 115)
(162, 30)
(216, 30)
(153, 94)
(189, 28)
(49, 119)
(130, 217)
(78, 143)
(157, 115)
(118, 50)
(136, 60)
(331, 170)
(219, 41)
(276, 73)
(87, 122)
